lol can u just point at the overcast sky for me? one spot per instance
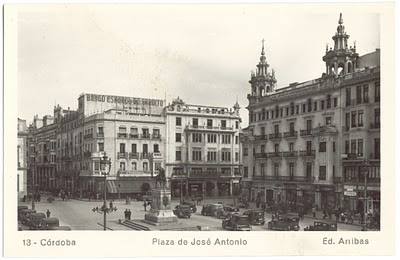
(202, 53)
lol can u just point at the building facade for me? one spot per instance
(312, 143)
(22, 159)
(202, 149)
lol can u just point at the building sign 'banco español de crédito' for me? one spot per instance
(124, 100)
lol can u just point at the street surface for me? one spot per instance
(78, 215)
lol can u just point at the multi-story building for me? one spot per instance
(202, 149)
(310, 143)
(22, 160)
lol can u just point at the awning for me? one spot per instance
(126, 186)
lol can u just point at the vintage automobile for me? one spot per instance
(50, 224)
(24, 215)
(192, 205)
(256, 217)
(35, 220)
(322, 226)
(182, 211)
(231, 208)
(215, 210)
(284, 223)
(236, 222)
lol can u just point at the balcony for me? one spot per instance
(178, 175)
(145, 156)
(261, 155)
(306, 132)
(290, 154)
(275, 136)
(133, 155)
(208, 128)
(375, 125)
(145, 136)
(310, 153)
(122, 155)
(122, 135)
(290, 134)
(260, 137)
(157, 155)
(156, 136)
(100, 135)
(274, 154)
(133, 136)
(352, 156)
(88, 136)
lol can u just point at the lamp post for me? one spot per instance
(104, 162)
(366, 171)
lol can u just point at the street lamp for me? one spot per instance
(366, 171)
(104, 162)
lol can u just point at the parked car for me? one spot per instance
(192, 205)
(50, 224)
(236, 222)
(35, 220)
(231, 208)
(322, 226)
(256, 217)
(182, 211)
(284, 223)
(215, 210)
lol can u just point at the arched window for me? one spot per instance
(349, 67)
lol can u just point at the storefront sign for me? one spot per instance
(235, 181)
(124, 100)
(350, 193)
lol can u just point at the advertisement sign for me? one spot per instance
(350, 193)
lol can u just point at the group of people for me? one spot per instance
(127, 214)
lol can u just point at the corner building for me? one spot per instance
(202, 149)
(316, 142)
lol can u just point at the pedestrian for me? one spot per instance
(329, 213)
(48, 213)
(145, 205)
(129, 214)
(324, 212)
(314, 211)
(111, 204)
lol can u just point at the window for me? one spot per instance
(223, 124)
(134, 149)
(245, 151)
(291, 147)
(360, 118)
(322, 147)
(322, 173)
(209, 123)
(291, 127)
(262, 148)
(308, 169)
(134, 166)
(287, 111)
(156, 148)
(353, 118)
(236, 156)
(145, 166)
(156, 133)
(237, 124)
(322, 104)
(335, 102)
(101, 147)
(348, 97)
(178, 155)
(96, 166)
(195, 122)
(328, 102)
(281, 112)
(100, 130)
(178, 137)
(304, 108)
(262, 169)
(267, 115)
(309, 105)
(196, 137)
(353, 146)
(377, 91)
(297, 109)
(346, 146)
(291, 109)
(178, 121)
(315, 105)
(276, 129)
(347, 121)
(377, 148)
(358, 95)
(309, 125)
(309, 146)
(262, 130)
(276, 169)
(333, 146)
(145, 148)
(360, 147)
(328, 120)
(365, 93)
(211, 138)
(236, 139)
(225, 139)
(276, 148)
(377, 116)
(211, 156)
(226, 156)
(122, 148)
(245, 172)
(122, 166)
(196, 155)
(291, 169)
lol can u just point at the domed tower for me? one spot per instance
(262, 82)
(342, 59)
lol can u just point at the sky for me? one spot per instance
(202, 53)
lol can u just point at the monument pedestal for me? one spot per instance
(160, 212)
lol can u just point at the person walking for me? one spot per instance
(48, 213)
(111, 205)
(145, 205)
(314, 211)
(129, 214)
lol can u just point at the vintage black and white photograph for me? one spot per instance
(198, 119)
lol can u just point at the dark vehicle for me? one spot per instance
(192, 206)
(21, 208)
(50, 224)
(215, 210)
(284, 223)
(322, 226)
(35, 220)
(230, 208)
(24, 215)
(256, 217)
(182, 211)
(236, 222)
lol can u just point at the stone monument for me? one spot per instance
(160, 212)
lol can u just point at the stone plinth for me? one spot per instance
(160, 212)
